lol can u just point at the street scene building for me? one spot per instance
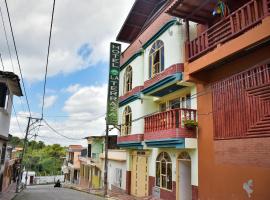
(181, 73)
(157, 107)
(71, 167)
(9, 86)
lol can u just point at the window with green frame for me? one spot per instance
(164, 171)
(156, 58)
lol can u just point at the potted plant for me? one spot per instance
(190, 124)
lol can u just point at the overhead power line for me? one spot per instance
(47, 62)
(55, 131)
(5, 31)
(18, 61)
(19, 126)
(2, 62)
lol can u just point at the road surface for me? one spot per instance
(48, 192)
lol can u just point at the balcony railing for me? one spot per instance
(231, 26)
(168, 120)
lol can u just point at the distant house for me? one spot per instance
(92, 167)
(71, 166)
(9, 86)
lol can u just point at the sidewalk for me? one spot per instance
(113, 195)
(79, 188)
(10, 193)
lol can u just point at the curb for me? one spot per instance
(77, 189)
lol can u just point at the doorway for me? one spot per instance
(184, 177)
(139, 174)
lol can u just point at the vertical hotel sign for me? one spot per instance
(113, 85)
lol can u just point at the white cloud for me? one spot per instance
(76, 23)
(49, 101)
(90, 100)
(73, 88)
(86, 110)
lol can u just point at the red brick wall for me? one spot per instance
(130, 138)
(226, 165)
(171, 133)
(253, 152)
(167, 72)
(151, 184)
(194, 192)
(130, 93)
(164, 194)
(128, 182)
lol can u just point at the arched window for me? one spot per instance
(164, 171)
(184, 156)
(128, 79)
(126, 122)
(156, 58)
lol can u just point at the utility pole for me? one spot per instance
(23, 152)
(106, 162)
(22, 155)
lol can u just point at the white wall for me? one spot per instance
(174, 153)
(48, 179)
(173, 40)
(30, 173)
(5, 116)
(112, 165)
(193, 94)
(137, 74)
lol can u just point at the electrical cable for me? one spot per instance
(18, 61)
(55, 131)
(19, 126)
(47, 61)
(5, 31)
(2, 62)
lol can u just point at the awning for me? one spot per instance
(140, 13)
(199, 11)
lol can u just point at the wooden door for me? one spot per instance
(139, 176)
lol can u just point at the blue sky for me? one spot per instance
(78, 63)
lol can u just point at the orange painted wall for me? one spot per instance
(225, 165)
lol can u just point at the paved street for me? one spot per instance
(48, 192)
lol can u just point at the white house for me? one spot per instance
(157, 108)
(9, 86)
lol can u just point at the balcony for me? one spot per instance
(164, 82)
(130, 141)
(166, 129)
(235, 24)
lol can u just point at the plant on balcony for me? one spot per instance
(190, 124)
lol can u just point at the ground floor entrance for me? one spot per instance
(184, 177)
(139, 174)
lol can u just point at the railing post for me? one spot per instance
(265, 7)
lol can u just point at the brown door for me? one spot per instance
(139, 176)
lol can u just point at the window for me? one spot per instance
(127, 121)
(164, 171)
(175, 103)
(156, 58)
(162, 107)
(89, 151)
(4, 95)
(184, 156)
(128, 79)
(3, 155)
(118, 177)
(188, 101)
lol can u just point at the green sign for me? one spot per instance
(113, 85)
